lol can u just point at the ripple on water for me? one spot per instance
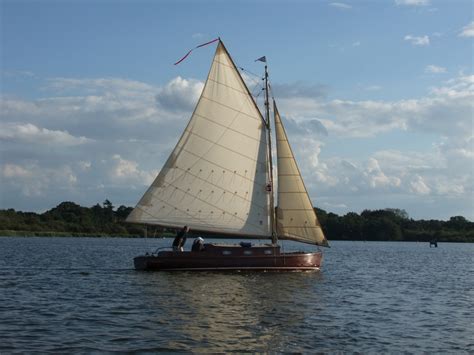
(82, 295)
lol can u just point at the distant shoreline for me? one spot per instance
(40, 234)
(69, 220)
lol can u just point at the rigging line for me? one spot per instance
(255, 75)
(253, 81)
(271, 91)
(248, 71)
(260, 90)
(259, 93)
(257, 86)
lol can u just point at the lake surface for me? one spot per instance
(64, 295)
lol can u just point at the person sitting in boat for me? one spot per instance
(178, 243)
(198, 244)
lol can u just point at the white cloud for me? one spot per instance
(15, 171)
(340, 5)
(434, 69)
(418, 40)
(412, 2)
(356, 44)
(468, 30)
(31, 134)
(180, 94)
(418, 186)
(366, 177)
(134, 126)
(91, 85)
(376, 177)
(124, 170)
(434, 113)
(31, 180)
(443, 173)
(118, 117)
(84, 165)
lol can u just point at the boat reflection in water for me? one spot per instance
(231, 311)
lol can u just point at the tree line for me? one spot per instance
(71, 219)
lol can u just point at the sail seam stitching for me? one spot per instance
(230, 87)
(231, 129)
(221, 167)
(207, 203)
(222, 146)
(222, 63)
(210, 183)
(169, 204)
(204, 224)
(232, 108)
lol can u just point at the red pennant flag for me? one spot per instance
(201, 45)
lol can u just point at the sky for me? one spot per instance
(377, 96)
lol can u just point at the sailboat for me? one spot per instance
(218, 181)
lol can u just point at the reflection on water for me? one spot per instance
(247, 310)
(82, 295)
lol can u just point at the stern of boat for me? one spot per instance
(141, 262)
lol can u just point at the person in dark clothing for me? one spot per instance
(180, 239)
(198, 244)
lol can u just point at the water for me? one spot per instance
(63, 295)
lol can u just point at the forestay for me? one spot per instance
(296, 218)
(215, 178)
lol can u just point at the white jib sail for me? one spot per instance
(215, 178)
(295, 215)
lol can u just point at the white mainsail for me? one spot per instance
(295, 216)
(215, 179)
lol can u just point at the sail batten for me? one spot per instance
(296, 219)
(214, 180)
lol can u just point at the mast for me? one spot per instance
(272, 199)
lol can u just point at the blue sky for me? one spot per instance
(92, 105)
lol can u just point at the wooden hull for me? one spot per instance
(229, 258)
